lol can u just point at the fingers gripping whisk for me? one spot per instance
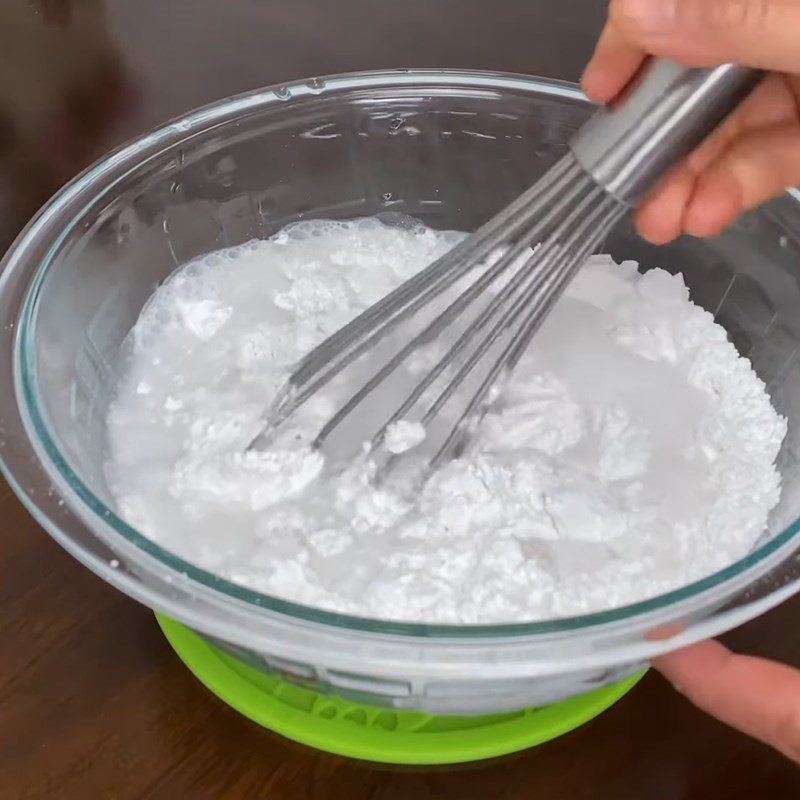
(494, 289)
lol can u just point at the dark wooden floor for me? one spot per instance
(93, 705)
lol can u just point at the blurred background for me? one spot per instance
(81, 76)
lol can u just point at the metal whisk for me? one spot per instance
(543, 238)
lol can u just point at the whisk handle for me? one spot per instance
(662, 116)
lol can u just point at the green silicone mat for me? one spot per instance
(377, 734)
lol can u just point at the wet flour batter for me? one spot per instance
(632, 452)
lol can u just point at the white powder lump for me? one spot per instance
(404, 435)
(633, 450)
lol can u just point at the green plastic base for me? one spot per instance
(374, 734)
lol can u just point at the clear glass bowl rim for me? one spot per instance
(48, 225)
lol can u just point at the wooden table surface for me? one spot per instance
(93, 704)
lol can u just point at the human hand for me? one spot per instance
(755, 154)
(758, 697)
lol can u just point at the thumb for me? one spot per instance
(755, 33)
(758, 697)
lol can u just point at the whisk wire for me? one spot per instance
(339, 350)
(539, 298)
(451, 312)
(561, 220)
(535, 267)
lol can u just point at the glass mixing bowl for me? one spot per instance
(450, 148)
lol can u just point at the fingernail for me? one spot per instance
(649, 16)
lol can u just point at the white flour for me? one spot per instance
(633, 451)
